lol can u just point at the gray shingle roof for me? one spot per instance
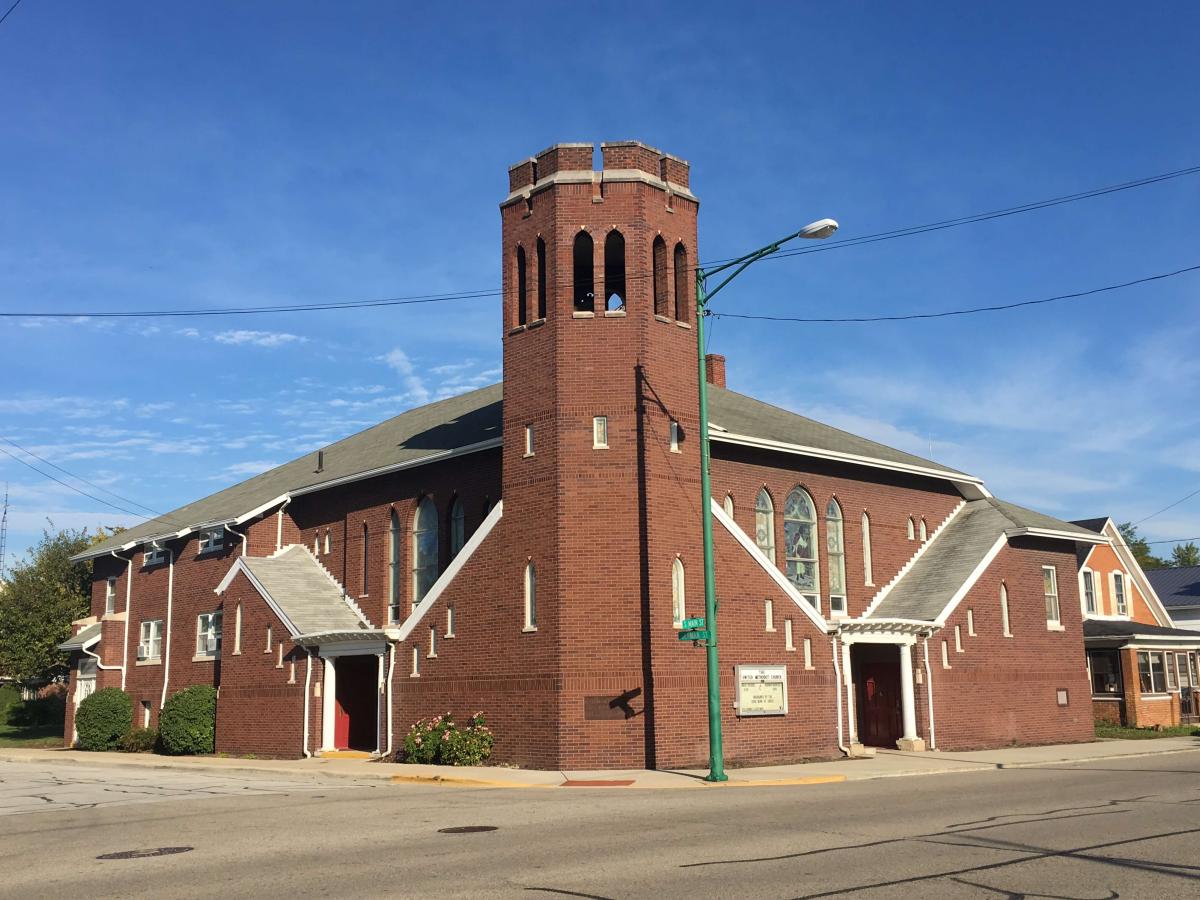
(926, 588)
(1096, 525)
(1177, 587)
(305, 593)
(86, 636)
(1096, 628)
(428, 431)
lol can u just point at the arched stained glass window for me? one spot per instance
(800, 545)
(394, 580)
(868, 563)
(764, 524)
(660, 276)
(614, 271)
(522, 288)
(585, 272)
(912, 529)
(530, 597)
(541, 278)
(458, 527)
(425, 549)
(729, 505)
(924, 532)
(835, 548)
(683, 284)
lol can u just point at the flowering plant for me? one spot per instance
(439, 740)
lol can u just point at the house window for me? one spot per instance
(1181, 664)
(366, 559)
(150, 640)
(729, 505)
(764, 524)
(394, 579)
(600, 432)
(154, 556)
(924, 532)
(835, 546)
(529, 440)
(1169, 667)
(675, 437)
(458, 527)
(660, 276)
(110, 596)
(541, 278)
(788, 641)
(1089, 592)
(681, 283)
(678, 593)
(1105, 667)
(522, 289)
(530, 597)
(614, 271)
(585, 277)
(1050, 587)
(769, 615)
(208, 634)
(800, 545)
(1151, 677)
(1119, 593)
(425, 549)
(868, 565)
(212, 539)
(1004, 623)
(145, 713)
(911, 529)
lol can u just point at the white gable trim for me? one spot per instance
(240, 566)
(887, 588)
(769, 567)
(1126, 556)
(966, 586)
(969, 486)
(1057, 535)
(452, 570)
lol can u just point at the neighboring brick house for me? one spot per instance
(531, 549)
(1143, 669)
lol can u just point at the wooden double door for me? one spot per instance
(876, 672)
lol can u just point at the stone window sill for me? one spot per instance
(518, 329)
(614, 313)
(684, 325)
(529, 629)
(203, 657)
(156, 661)
(1055, 626)
(658, 318)
(582, 314)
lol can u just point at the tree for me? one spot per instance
(1185, 555)
(42, 597)
(1139, 547)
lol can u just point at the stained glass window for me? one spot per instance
(836, 549)
(764, 524)
(425, 549)
(800, 544)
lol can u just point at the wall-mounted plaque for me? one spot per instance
(762, 691)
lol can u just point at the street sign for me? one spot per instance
(693, 623)
(693, 635)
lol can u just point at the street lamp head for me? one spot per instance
(822, 228)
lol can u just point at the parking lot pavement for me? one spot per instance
(31, 788)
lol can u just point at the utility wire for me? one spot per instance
(1165, 508)
(9, 13)
(958, 312)
(1175, 540)
(80, 477)
(72, 487)
(893, 234)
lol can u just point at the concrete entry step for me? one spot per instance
(345, 754)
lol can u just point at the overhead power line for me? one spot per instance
(957, 312)
(892, 234)
(98, 487)
(1165, 508)
(1176, 540)
(9, 13)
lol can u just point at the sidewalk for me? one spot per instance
(886, 764)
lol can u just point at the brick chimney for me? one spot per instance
(714, 367)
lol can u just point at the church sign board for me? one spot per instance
(762, 691)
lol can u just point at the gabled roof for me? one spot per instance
(1096, 525)
(958, 553)
(474, 421)
(302, 593)
(1178, 587)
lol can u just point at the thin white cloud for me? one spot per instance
(259, 338)
(403, 366)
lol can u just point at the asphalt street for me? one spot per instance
(1086, 831)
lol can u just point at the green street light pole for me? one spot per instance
(820, 229)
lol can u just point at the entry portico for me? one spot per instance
(875, 685)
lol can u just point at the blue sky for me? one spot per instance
(228, 154)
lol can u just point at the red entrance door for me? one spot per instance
(877, 693)
(355, 704)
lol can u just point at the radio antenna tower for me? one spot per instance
(3, 531)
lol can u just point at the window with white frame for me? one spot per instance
(1050, 588)
(432, 642)
(675, 437)
(764, 524)
(529, 440)
(600, 432)
(1004, 620)
(208, 634)
(145, 713)
(924, 532)
(868, 563)
(449, 621)
(530, 596)
(789, 642)
(1181, 664)
(911, 529)
(328, 542)
(1118, 582)
(458, 527)
(678, 593)
(110, 596)
(1089, 591)
(212, 539)
(154, 556)
(800, 545)
(1151, 672)
(237, 630)
(1169, 667)
(425, 549)
(835, 546)
(769, 615)
(729, 505)
(150, 640)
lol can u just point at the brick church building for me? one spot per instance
(532, 548)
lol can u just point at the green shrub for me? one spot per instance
(39, 713)
(187, 724)
(439, 740)
(9, 697)
(140, 740)
(103, 719)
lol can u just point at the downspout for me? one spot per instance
(99, 665)
(279, 529)
(167, 648)
(307, 698)
(390, 676)
(929, 690)
(837, 692)
(229, 527)
(128, 598)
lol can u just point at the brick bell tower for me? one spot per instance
(601, 456)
